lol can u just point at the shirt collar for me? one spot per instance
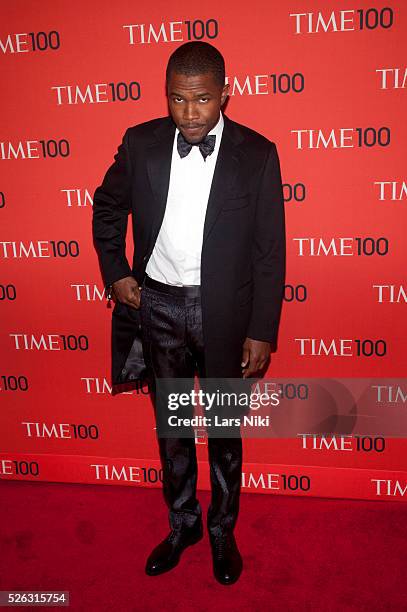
(218, 128)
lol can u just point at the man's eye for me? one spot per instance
(205, 99)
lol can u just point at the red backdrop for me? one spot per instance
(324, 81)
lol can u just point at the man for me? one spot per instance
(208, 272)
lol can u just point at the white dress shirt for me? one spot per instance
(176, 257)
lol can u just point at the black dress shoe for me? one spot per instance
(167, 554)
(227, 561)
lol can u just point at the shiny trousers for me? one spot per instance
(173, 348)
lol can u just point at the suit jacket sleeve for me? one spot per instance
(268, 253)
(111, 207)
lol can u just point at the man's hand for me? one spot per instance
(256, 353)
(127, 291)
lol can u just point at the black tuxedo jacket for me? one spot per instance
(243, 251)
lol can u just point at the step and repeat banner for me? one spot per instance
(326, 81)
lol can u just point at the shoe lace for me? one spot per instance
(221, 544)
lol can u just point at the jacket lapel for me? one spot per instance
(224, 176)
(158, 159)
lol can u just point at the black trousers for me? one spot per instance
(173, 348)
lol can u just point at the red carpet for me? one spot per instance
(299, 553)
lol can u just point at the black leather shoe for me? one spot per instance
(227, 561)
(167, 554)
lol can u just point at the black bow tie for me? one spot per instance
(206, 146)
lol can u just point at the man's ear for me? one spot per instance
(225, 93)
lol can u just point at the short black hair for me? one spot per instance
(197, 57)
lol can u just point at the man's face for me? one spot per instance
(195, 103)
